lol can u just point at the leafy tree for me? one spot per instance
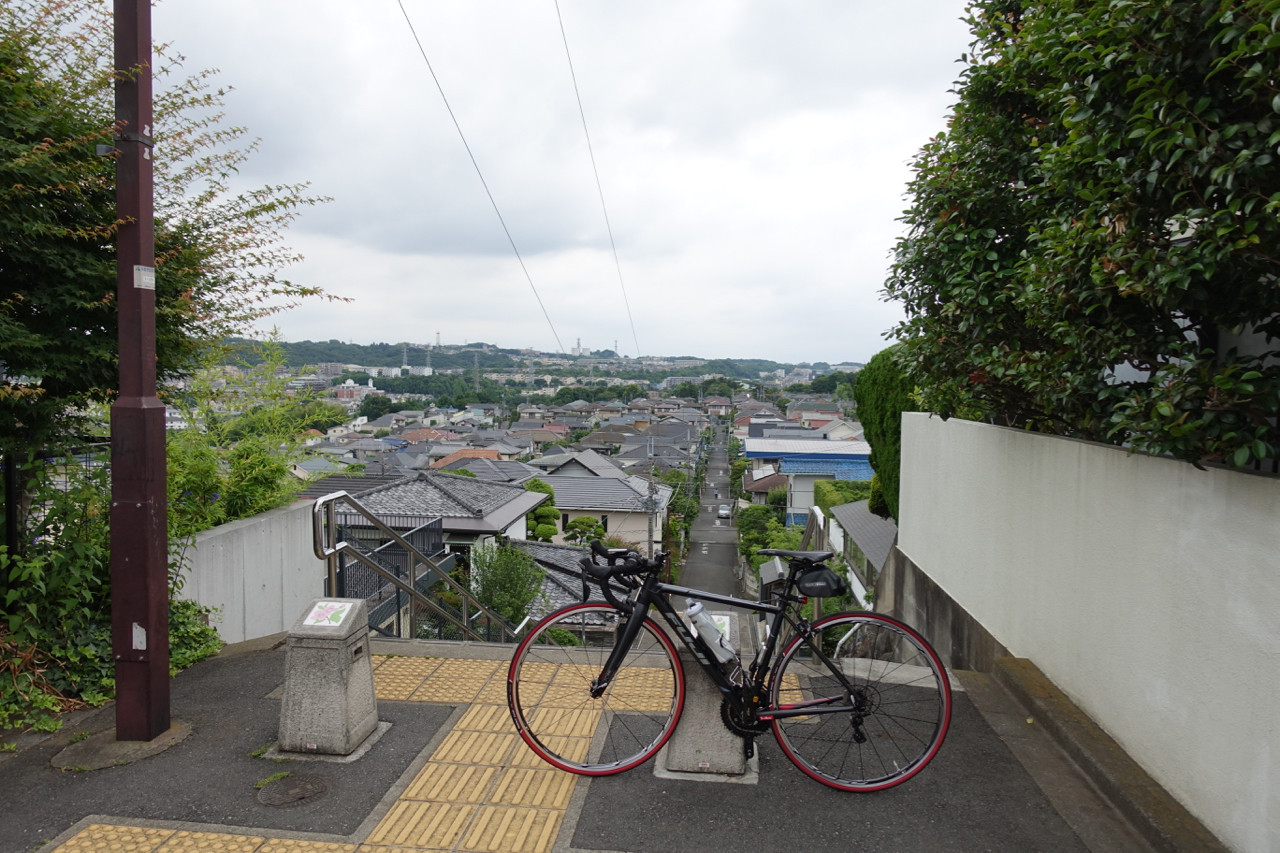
(505, 579)
(375, 406)
(218, 254)
(717, 388)
(737, 468)
(583, 530)
(753, 527)
(884, 392)
(218, 268)
(685, 389)
(829, 493)
(542, 526)
(1096, 225)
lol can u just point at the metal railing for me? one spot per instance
(411, 586)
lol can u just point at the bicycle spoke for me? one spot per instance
(896, 714)
(550, 684)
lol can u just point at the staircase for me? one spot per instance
(403, 575)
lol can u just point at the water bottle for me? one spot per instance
(705, 627)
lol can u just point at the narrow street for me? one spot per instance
(713, 542)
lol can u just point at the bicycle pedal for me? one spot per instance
(749, 748)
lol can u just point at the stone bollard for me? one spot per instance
(329, 705)
(701, 745)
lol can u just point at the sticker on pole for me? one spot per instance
(144, 278)
(328, 613)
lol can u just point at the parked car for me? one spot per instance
(723, 512)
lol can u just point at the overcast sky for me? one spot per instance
(753, 157)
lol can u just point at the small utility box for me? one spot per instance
(329, 705)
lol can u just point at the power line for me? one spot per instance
(479, 174)
(599, 189)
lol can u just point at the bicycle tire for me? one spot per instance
(549, 691)
(899, 707)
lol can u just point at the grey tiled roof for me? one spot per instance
(873, 535)
(563, 584)
(495, 470)
(436, 493)
(604, 493)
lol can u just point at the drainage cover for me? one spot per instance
(292, 791)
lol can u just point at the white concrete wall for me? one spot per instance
(259, 572)
(1147, 590)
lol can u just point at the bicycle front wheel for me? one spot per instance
(549, 691)
(862, 702)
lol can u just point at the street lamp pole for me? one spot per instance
(139, 510)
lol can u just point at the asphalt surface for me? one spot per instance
(209, 777)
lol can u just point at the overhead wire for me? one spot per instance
(483, 182)
(595, 171)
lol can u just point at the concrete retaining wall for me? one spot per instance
(259, 572)
(1147, 590)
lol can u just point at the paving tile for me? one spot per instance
(422, 825)
(452, 783)
(486, 718)
(496, 829)
(490, 748)
(396, 687)
(459, 668)
(293, 845)
(105, 838)
(210, 842)
(545, 789)
(406, 665)
(448, 690)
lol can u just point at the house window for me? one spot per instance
(604, 522)
(564, 521)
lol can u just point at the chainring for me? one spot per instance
(741, 722)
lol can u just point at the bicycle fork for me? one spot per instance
(635, 621)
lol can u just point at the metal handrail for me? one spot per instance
(323, 531)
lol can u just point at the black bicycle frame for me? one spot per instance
(654, 593)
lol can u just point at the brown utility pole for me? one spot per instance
(139, 508)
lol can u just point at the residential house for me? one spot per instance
(472, 511)
(720, 407)
(622, 504)
(464, 453)
(804, 462)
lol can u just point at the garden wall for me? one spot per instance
(1144, 588)
(258, 572)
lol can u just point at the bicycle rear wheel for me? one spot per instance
(876, 724)
(549, 691)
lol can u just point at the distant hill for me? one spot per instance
(303, 353)
(452, 357)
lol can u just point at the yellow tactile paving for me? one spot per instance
(452, 783)
(211, 842)
(482, 669)
(448, 690)
(495, 692)
(101, 838)
(503, 830)
(485, 718)
(411, 823)
(545, 789)
(482, 790)
(486, 748)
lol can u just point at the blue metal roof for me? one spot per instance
(841, 469)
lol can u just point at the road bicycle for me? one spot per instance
(857, 700)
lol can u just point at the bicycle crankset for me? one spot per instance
(740, 721)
